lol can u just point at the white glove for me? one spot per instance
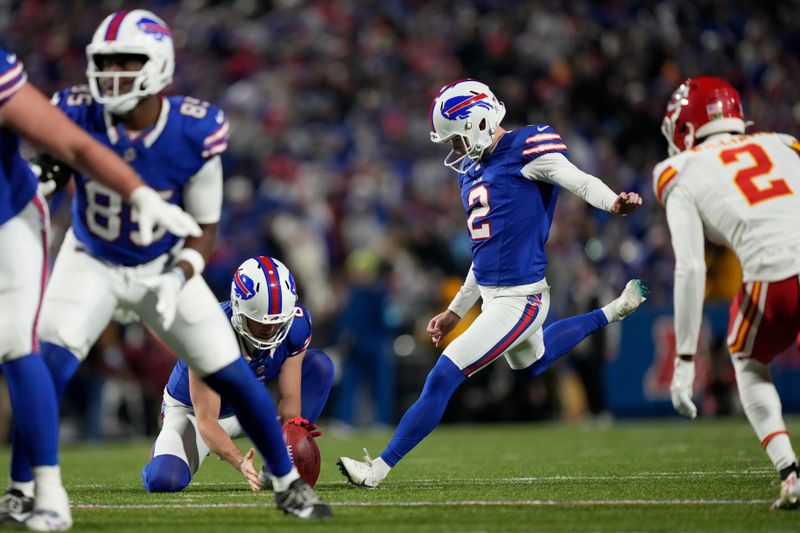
(166, 287)
(155, 210)
(681, 388)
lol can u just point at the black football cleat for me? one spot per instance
(301, 501)
(15, 507)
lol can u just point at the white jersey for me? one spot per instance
(744, 191)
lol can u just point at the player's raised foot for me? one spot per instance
(633, 295)
(301, 501)
(360, 473)
(15, 507)
(50, 510)
(789, 497)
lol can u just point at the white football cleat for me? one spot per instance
(50, 511)
(359, 473)
(633, 295)
(789, 497)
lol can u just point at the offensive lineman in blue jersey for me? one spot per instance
(274, 332)
(24, 226)
(509, 184)
(104, 269)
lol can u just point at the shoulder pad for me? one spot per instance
(72, 98)
(538, 140)
(665, 176)
(789, 141)
(205, 123)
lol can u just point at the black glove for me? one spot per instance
(53, 174)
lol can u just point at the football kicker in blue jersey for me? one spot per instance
(509, 185)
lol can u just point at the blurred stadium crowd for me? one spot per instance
(330, 167)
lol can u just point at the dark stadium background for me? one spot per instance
(330, 168)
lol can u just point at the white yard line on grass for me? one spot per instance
(454, 503)
(749, 473)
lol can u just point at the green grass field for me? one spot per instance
(633, 476)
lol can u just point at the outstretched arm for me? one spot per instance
(289, 383)
(686, 228)
(31, 115)
(556, 169)
(206, 404)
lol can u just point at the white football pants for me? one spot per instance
(510, 324)
(23, 271)
(84, 294)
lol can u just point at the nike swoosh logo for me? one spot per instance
(541, 128)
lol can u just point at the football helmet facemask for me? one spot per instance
(133, 33)
(701, 107)
(465, 109)
(263, 290)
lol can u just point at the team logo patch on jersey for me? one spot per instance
(460, 107)
(244, 286)
(154, 28)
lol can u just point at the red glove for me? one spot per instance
(303, 423)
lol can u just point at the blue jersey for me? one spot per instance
(509, 215)
(265, 366)
(17, 182)
(187, 134)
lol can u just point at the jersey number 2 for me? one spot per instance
(480, 231)
(744, 179)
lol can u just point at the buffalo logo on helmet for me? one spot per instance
(460, 107)
(244, 286)
(154, 28)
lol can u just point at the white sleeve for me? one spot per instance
(558, 170)
(202, 195)
(467, 295)
(688, 243)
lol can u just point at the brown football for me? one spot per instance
(304, 452)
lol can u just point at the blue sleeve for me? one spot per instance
(299, 336)
(206, 125)
(535, 141)
(12, 75)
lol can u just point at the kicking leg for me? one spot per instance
(562, 336)
(505, 323)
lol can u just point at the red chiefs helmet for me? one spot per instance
(698, 108)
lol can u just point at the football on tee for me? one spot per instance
(304, 452)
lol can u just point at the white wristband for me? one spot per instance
(194, 258)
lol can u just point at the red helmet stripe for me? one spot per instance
(274, 284)
(113, 26)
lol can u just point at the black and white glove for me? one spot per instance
(53, 174)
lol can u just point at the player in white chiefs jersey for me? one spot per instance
(24, 226)
(744, 191)
(104, 267)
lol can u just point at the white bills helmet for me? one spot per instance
(137, 32)
(263, 290)
(467, 109)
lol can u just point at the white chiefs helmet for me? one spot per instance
(467, 109)
(138, 32)
(263, 290)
